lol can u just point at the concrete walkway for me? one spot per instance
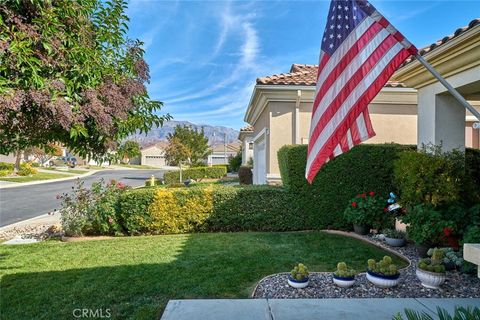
(305, 309)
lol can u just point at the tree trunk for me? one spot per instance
(18, 159)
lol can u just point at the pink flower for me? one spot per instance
(121, 185)
(371, 193)
(110, 220)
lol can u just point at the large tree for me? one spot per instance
(128, 150)
(69, 74)
(187, 145)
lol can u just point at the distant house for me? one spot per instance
(246, 137)
(154, 155)
(221, 153)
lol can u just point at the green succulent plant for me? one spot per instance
(343, 271)
(299, 272)
(435, 263)
(384, 267)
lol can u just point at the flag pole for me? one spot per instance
(447, 85)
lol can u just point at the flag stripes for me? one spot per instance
(357, 59)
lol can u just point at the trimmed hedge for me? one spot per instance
(211, 208)
(197, 173)
(364, 168)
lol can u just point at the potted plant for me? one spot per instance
(344, 277)
(394, 238)
(383, 273)
(365, 211)
(452, 260)
(298, 276)
(431, 271)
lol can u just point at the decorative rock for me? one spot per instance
(456, 285)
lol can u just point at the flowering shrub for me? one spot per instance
(91, 211)
(368, 209)
(26, 169)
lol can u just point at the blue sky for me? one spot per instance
(204, 56)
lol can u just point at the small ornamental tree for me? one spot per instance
(69, 74)
(128, 150)
(187, 145)
(235, 162)
(45, 153)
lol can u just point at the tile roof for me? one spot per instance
(247, 128)
(304, 75)
(444, 40)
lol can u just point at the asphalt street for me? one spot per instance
(20, 203)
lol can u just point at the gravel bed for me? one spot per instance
(457, 285)
(33, 231)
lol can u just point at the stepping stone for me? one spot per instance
(20, 240)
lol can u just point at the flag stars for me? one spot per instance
(339, 26)
(332, 26)
(345, 8)
(354, 17)
(339, 17)
(331, 35)
(331, 45)
(347, 27)
(354, 8)
(339, 36)
(339, 7)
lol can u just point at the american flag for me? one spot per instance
(360, 51)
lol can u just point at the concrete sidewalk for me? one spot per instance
(306, 309)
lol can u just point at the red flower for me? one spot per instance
(363, 195)
(385, 209)
(120, 185)
(447, 231)
(354, 204)
(371, 193)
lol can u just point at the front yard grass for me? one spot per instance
(136, 276)
(36, 177)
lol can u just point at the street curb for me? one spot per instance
(23, 184)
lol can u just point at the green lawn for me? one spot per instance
(136, 276)
(68, 170)
(36, 177)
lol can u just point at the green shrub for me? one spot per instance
(245, 175)
(26, 169)
(472, 235)
(133, 210)
(197, 173)
(210, 208)
(92, 211)
(365, 167)
(6, 166)
(4, 173)
(426, 224)
(430, 177)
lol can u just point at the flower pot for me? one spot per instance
(298, 284)
(431, 280)
(395, 242)
(343, 282)
(361, 229)
(422, 250)
(381, 280)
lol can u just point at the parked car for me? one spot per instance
(64, 161)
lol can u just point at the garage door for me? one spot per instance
(156, 161)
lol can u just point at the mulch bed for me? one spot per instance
(457, 285)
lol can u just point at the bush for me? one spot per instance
(197, 173)
(365, 167)
(211, 208)
(133, 210)
(4, 173)
(26, 169)
(235, 162)
(6, 166)
(426, 225)
(92, 211)
(368, 209)
(245, 175)
(472, 235)
(430, 177)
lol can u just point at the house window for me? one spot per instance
(250, 146)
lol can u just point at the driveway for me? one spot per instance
(20, 203)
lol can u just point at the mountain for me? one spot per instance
(215, 134)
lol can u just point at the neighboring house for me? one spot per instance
(221, 153)
(154, 155)
(280, 107)
(246, 137)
